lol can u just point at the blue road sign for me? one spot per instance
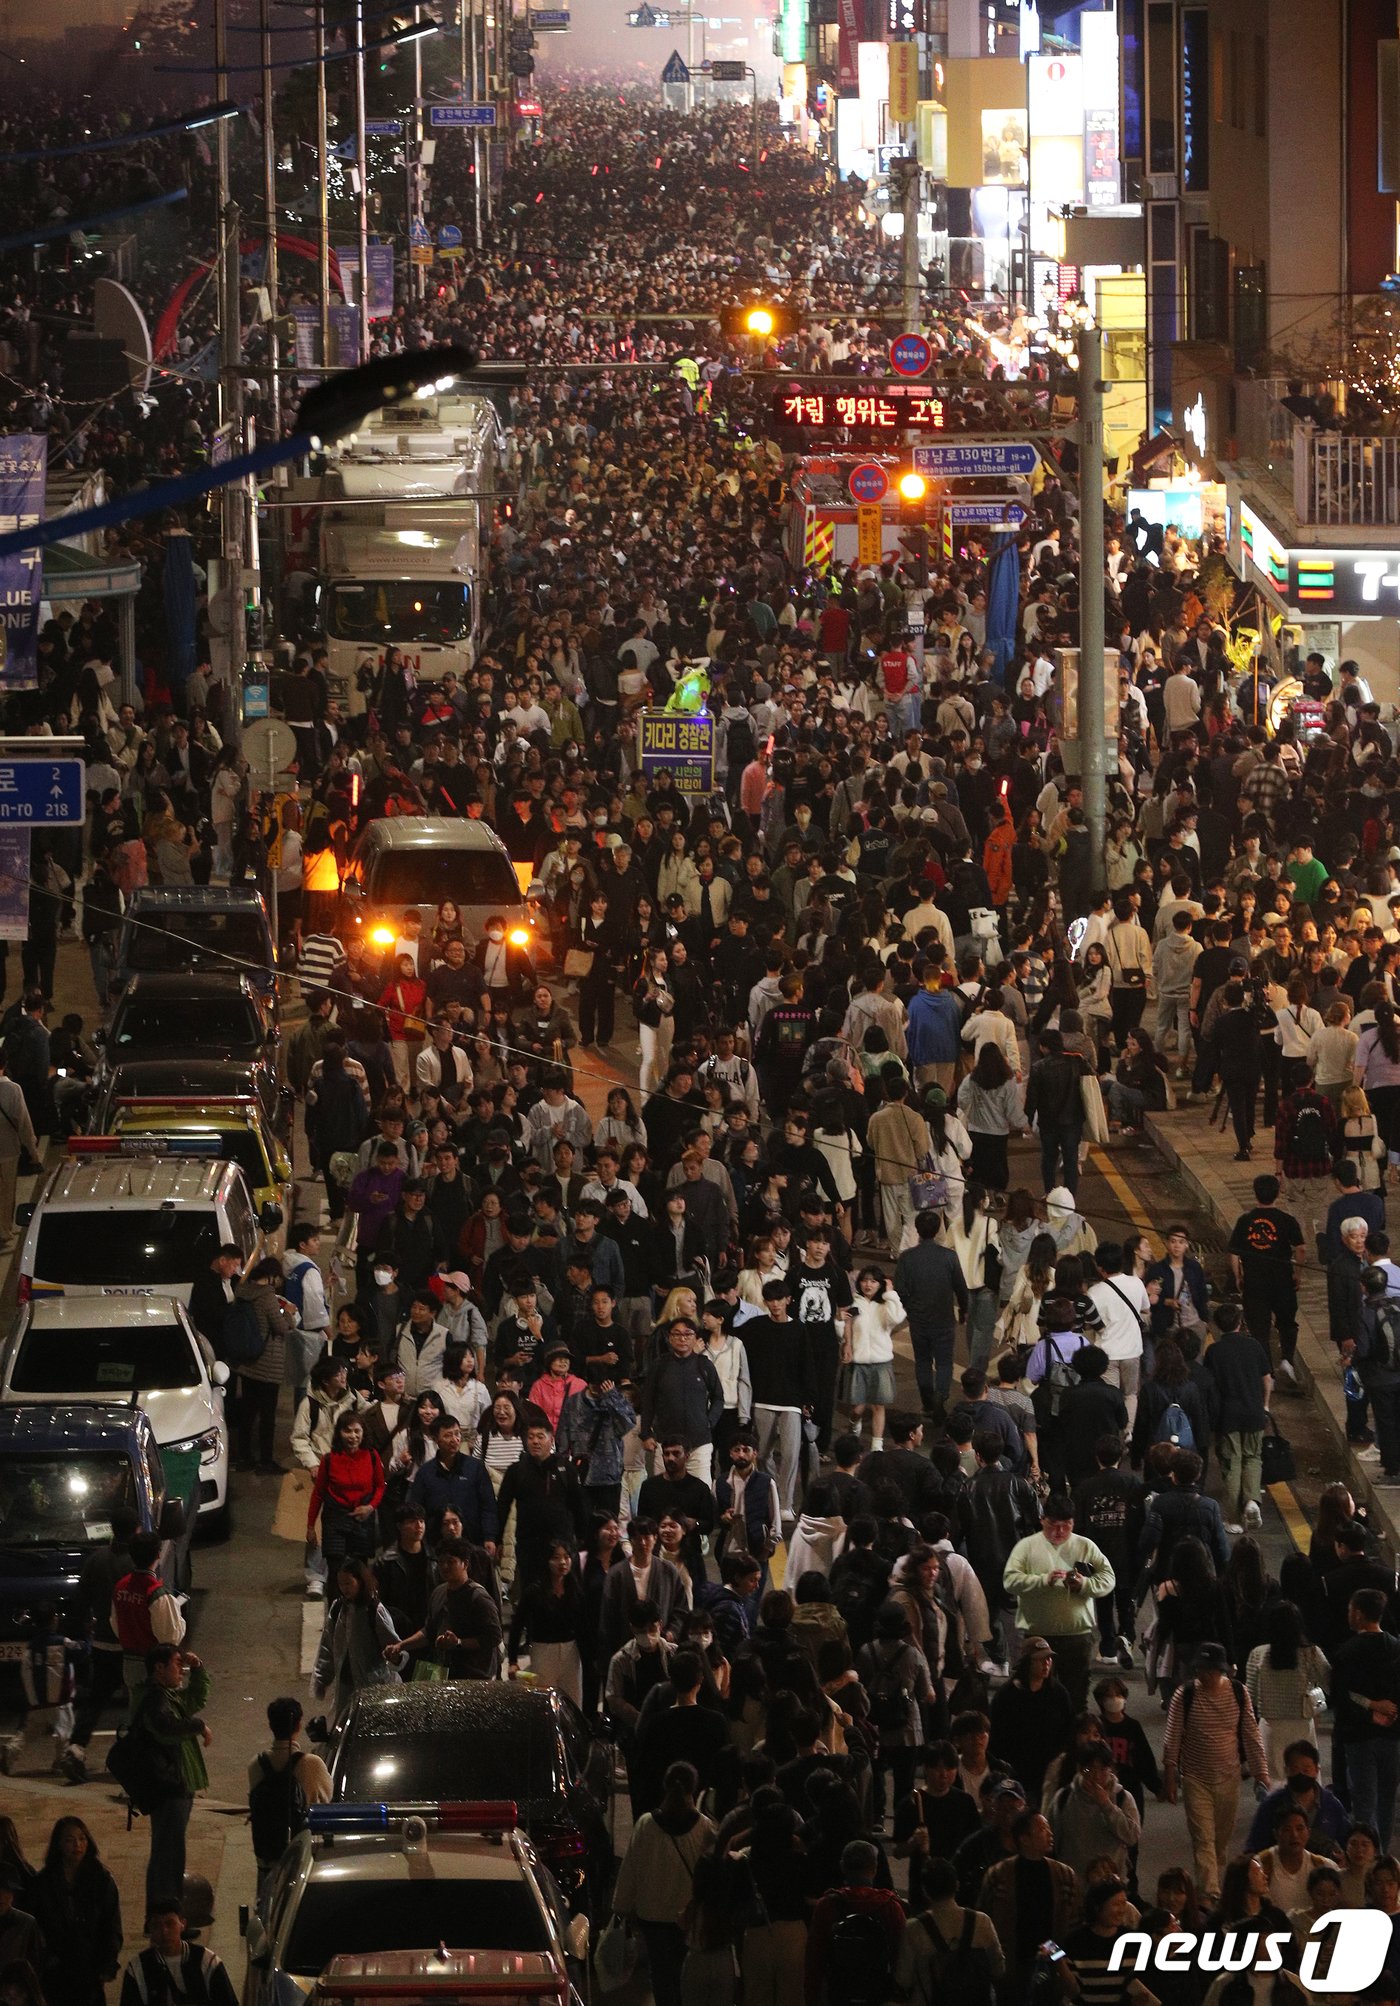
(384, 128)
(449, 236)
(42, 791)
(951, 459)
(868, 482)
(675, 71)
(462, 114)
(910, 355)
(549, 17)
(986, 514)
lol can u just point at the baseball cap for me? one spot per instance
(459, 1280)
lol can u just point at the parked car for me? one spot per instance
(367, 1879)
(490, 1739)
(78, 1348)
(205, 929)
(63, 1471)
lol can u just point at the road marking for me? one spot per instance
(1123, 1192)
(313, 1617)
(1295, 1522)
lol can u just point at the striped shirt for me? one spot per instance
(321, 954)
(1216, 1727)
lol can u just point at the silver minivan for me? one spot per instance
(420, 860)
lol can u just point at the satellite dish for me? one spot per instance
(117, 317)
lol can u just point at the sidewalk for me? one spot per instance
(1204, 1156)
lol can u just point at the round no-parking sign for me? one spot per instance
(868, 482)
(910, 355)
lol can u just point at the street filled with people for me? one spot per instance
(666, 1318)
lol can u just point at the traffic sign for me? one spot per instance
(462, 114)
(726, 72)
(870, 532)
(48, 791)
(418, 232)
(675, 71)
(551, 18)
(868, 482)
(910, 354)
(383, 128)
(1008, 457)
(270, 747)
(993, 513)
(648, 17)
(449, 237)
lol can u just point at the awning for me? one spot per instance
(70, 576)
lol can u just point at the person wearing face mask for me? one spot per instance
(507, 974)
(1133, 1761)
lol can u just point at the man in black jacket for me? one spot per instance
(1181, 1512)
(1090, 1409)
(1108, 1508)
(682, 1398)
(211, 1294)
(928, 1280)
(780, 1369)
(996, 1510)
(546, 1498)
(678, 1495)
(1053, 1099)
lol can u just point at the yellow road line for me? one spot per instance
(1294, 1518)
(1122, 1191)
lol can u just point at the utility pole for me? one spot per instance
(323, 215)
(233, 504)
(270, 203)
(362, 162)
(910, 207)
(1093, 747)
(472, 94)
(413, 154)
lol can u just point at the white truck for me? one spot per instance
(403, 543)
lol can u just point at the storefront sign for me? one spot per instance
(1358, 582)
(24, 460)
(684, 747)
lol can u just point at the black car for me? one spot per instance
(200, 1078)
(486, 1739)
(204, 1016)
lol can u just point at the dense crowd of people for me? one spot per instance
(574, 1387)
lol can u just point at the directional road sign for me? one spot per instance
(48, 791)
(868, 482)
(675, 71)
(551, 18)
(383, 128)
(642, 17)
(449, 237)
(990, 514)
(910, 355)
(1009, 457)
(726, 72)
(462, 114)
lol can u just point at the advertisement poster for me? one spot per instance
(24, 460)
(847, 43)
(1005, 145)
(14, 884)
(379, 280)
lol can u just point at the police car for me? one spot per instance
(365, 1880)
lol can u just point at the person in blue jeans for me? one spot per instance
(1366, 1710)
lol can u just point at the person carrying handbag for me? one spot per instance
(1129, 953)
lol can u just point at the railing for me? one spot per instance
(1341, 480)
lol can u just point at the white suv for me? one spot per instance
(75, 1349)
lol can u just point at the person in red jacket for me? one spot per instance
(348, 1491)
(555, 1384)
(405, 999)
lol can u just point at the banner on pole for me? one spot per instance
(24, 459)
(379, 281)
(14, 884)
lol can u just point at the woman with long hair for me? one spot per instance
(603, 1550)
(78, 1909)
(1139, 1083)
(621, 1126)
(1094, 987)
(1358, 1137)
(1251, 1591)
(1019, 1324)
(500, 1443)
(549, 1624)
(655, 1882)
(1286, 1678)
(969, 1228)
(950, 1145)
(654, 1004)
(14, 1866)
(869, 1351)
(1244, 1897)
(482, 1234)
(356, 1639)
(991, 1107)
(347, 1494)
(1191, 1610)
(1376, 1067)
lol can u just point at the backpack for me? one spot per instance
(892, 1695)
(740, 745)
(147, 1770)
(1381, 1348)
(1309, 1142)
(859, 1971)
(243, 1341)
(276, 1808)
(294, 1287)
(1059, 1375)
(963, 1972)
(1175, 1426)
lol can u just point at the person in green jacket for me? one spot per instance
(166, 1709)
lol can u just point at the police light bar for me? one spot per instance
(499, 1814)
(208, 1143)
(185, 1100)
